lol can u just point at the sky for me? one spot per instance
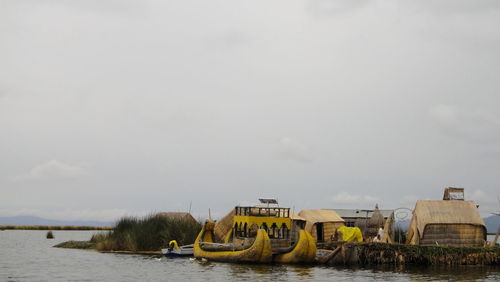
(112, 108)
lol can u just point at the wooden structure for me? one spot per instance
(452, 193)
(322, 224)
(498, 232)
(451, 223)
(361, 218)
(275, 221)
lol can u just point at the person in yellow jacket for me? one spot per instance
(172, 245)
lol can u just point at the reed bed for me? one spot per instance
(76, 245)
(146, 234)
(379, 253)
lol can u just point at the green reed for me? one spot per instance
(146, 234)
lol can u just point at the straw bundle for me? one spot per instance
(224, 225)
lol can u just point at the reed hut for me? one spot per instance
(182, 216)
(452, 223)
(322, 224)
(374, 223)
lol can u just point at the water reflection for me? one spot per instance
(464, 272)
(429, 273)
(301, 271)
(28, 256)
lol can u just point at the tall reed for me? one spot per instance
(147, 234)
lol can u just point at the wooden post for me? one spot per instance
(496, 236)
(498, 231)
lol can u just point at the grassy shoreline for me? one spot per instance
(149, 233)
(399, 254)
(146, 235)
(54, 227)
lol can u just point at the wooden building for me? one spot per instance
(361, 218)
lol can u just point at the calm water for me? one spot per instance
(29, 256)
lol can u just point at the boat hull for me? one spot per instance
(176, 255)
(259, 252)
(183, 251)
(304, 251)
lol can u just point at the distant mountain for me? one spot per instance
(492, 223)
(34, 220)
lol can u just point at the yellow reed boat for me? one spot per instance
(303, 251)
(259, 234)
(258, 251)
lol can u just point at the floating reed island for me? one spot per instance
(444, 232)
(54, 227)
(400, 254)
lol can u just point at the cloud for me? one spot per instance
(347, 198)
(452, 7)
(473, 125)
(328, 8)
(446, 114)
(292, 149)
(53, 169)
(481, 196)
(488, 203)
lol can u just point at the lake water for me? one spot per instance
(29, 256)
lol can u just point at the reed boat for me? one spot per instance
(174, 250)
(257, 250)
(303, 251)
(259, 234)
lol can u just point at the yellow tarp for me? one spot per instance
(351, 234)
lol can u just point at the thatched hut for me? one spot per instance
(322, 224)
(183, 216)
(374, 223)
(452, 223)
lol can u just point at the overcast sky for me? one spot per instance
(127, 107)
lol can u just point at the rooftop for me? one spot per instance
(350, 213)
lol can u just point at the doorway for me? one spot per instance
(319, 232)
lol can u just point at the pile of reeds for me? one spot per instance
(146, 234)
(378, 253)
(76, 245)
